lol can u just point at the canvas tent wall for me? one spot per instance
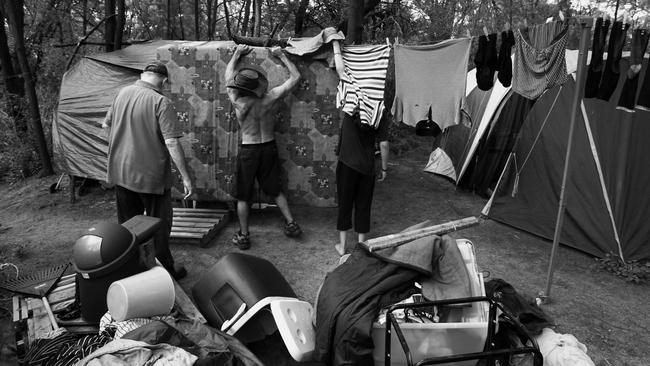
(608, 196)
(306, 120)
(473, 154)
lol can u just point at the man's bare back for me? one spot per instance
(255, 114)
(256, 119)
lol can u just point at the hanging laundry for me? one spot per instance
(627, 99)
(539, 61)
(643, 103)
(365, 67)
(302, 46)
(595, 72)
(504, 65)
(431, 78)
(612, 69)
(486, 61)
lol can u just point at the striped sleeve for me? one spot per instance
(366, 68)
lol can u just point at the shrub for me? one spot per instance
(632, 271)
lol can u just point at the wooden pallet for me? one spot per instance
(197, 225)
(32, 322)
(30, 317)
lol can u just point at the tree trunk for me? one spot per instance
(209, 11)
(170, 30)
(109, 27)
(180, 20)
(355, 22)
(197, 33)
(300, 18)
(15, 17)
(13, 84)
(244, 21)
(84, 20)
(258, 17)
(121, 20)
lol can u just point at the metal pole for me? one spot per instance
(581, 75)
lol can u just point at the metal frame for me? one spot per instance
(489, 351)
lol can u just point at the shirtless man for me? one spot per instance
(258, 154)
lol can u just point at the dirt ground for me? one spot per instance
(608, 315)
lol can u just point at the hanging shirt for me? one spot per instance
(539, 61)
(431, 78)
(366, 68)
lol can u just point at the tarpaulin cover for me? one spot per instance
(607, 192)
(307, 123)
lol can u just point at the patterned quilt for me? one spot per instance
(307, 121)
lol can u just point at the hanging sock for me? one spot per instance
(612, 68)
(504, 67)
(486, 61)
(628, 94)
(595, 72)
(643, 103)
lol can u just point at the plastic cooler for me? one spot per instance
(465, 331)
(109, 252)
(240, 279)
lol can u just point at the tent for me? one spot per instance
(608, 196)
(306, 126)
(473, 153)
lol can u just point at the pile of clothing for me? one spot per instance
(172, 341)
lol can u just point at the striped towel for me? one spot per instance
(366, 68)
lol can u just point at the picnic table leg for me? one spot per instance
(72, 188)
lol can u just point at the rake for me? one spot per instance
(38, 285)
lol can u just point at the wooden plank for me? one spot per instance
(194, 224)
(196, 219)
(394, 240)
(42, 322)
(186, 235)
(63, 295)
(63, 288)
(203, 230)
(66, 280)
(61, 304)
(209, 210)
(206, 215)
(16, 308)
(30, 323)
(24, 312)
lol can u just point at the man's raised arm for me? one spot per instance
(294, 76)
(241, 50)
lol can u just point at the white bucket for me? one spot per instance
(142, 295)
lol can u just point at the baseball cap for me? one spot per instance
(158, 68)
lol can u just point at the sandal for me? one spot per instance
(241, 241)
(292, 230)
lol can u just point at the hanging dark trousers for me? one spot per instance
(612, 70)
(627, 99)
(595, 72)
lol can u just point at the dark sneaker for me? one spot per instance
(241, 241)
(292, 230)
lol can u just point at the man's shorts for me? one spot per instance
(257, 161)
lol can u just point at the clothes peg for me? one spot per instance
(525, 23)
(396, 41)
(507, 27)
(485, 31)
(388, 42)
(549, 19)
(561, 14)
(468, 33)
